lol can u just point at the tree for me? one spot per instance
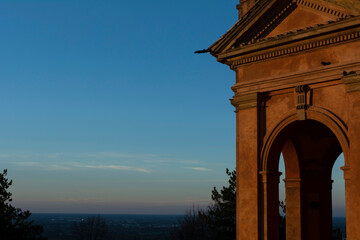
(337, 234)
(92, 228)
(221, 215)
(282, 221)
(217, 222)
(192, 227)
(15, 223)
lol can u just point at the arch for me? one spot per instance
(310, 148)
(323, 116)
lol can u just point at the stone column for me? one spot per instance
(247, 212)
(293, 208)
(352, 170)
(326, 208)
(270, 182)
(347, 178)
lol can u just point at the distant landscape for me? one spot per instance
(128, 227)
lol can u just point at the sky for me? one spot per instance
(105, 108)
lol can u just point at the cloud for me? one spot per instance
(58, 167)
(177, 161)
(72, 165)
(202, 169)
(100, 160)
(42, 166)
(118, 155)
(118, 167)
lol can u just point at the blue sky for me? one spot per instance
(105, 108)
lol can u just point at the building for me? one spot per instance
(297, 92)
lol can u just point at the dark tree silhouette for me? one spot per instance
(92, 228)
(192, 227)
(217, 222)
(221, 215)
(337, 234)
(15, 223)
(282, 221)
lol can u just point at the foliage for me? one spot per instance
(282, 231)
(337, 234)
(15, 223)
(221, 216)
(217, 222)
(92, 228)
(192, 227)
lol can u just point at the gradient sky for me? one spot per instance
(105, 108)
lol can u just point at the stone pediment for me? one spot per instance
(272, 18)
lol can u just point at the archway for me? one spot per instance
(309, 149)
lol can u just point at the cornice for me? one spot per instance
(296, 48)
(317, 75)
(295, 42)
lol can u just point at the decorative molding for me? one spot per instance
(295, 49)
(292, 183)
(263, 30)
(346, 170)
(352, 81)
(328, 75)
(322, 7)
(270, 176)
(302, 101)
(245, 101)
(283, 10)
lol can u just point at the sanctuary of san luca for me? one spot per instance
(297, 93)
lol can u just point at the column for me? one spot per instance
(247, 212)
(352, 169)
(270, 180)
(293, 208)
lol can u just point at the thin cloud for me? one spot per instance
(202, 169)
(100, 160)
(110, 167)
(117, 155)
(118, 167)
(58, 167)
(71, 165)
(177, 161)
(41, 166)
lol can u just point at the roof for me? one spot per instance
(266, 15)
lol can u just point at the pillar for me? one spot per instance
(247, 209)
(270, 181)
(293, 208)
(352, 170)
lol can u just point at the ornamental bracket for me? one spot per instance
(302, 100)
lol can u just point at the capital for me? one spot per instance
(244, 101)
(352, 81)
